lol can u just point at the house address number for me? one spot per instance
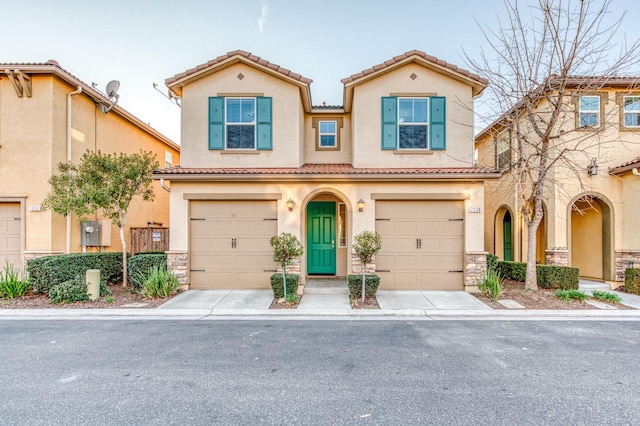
(475, 209)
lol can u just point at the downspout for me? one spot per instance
(164, 186)
(69, 95)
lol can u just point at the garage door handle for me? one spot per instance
(383, 270)
(196, 270)
(457, 271)
(269, 270)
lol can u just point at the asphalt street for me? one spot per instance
(137, 372)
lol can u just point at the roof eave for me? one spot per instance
(289, 177)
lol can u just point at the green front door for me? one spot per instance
(321, 238)
(506, 237)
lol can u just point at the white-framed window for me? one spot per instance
(413, 123)
(168, 160)
(240, 123)
(327, 133)
(631, 105)
(342, 225)
(503, 150)
(589, 111)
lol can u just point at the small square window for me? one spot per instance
(327, 134)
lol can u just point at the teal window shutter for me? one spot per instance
(389, 122)
(216, 123)
(437, 125)
(263, 123)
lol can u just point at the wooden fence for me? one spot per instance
(149, 239)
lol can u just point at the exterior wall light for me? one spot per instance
(360, 204)
(290, 204)
(592, 169)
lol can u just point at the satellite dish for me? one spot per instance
(112, 88)
(112, 93)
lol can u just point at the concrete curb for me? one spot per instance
(294, 314)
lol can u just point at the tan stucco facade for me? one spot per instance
(591, 221)
(33, 141)
(363, 171)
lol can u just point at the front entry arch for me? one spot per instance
(591, 233)
(507, 239)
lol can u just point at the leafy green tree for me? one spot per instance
(286, 247)
(103, 183)
(366, 245)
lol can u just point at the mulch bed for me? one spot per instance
(369, 303)
(282, 304)
(541, 299)
(121, 296)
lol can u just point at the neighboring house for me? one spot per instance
(46, 117)
(258, 159)
(590, 221)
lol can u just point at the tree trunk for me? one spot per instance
(364, 280)
(284, 279)
(531, 280)
(124, 257)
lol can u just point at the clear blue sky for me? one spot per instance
(139, 42)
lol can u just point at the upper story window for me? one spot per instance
(589, 111)
(240, 123)
(631, 111)
(168, 160)
(413, 123)
(327, 134)
(503, 150)
(417, 123)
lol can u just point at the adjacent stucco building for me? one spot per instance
(47, 117)
(592, 199)
(259, 159)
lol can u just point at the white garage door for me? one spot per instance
(230, 244)
(422, 245)
(10, 234)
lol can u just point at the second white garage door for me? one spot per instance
(422, 245)
(230, 244)
(10, 234)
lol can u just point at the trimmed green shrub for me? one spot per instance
(278, 286)
(516, 271)
(492, 262)
(11, 285)
(562, 277)
(354, 282)
(632, 280)
(491, 286)
(74, 290)
(605, 296)
(140, 264)
(46, 272)
(158, 282)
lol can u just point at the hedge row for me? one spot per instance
(45, 272)
(632, 280)
(562, 277)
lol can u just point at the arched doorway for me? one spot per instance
(507, 237)
(591, 237)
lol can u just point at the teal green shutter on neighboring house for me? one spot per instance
(216, 123)
(437, 126)
(263, 122)
(389, 122)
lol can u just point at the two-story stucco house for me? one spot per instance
(259, 159)
(591, 219)
(48, 117)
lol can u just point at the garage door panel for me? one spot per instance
(232, 244)
(424, 266)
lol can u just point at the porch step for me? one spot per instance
(326, 285)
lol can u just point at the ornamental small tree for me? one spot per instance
(286, 247)
(366, 245)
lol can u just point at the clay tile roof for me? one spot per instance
(625, 167)
(242, 53)
(428, 58)
(328, 169)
